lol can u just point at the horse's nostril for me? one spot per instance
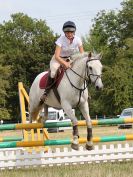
(97, 87)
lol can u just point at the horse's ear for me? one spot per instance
(89, 55)
(100, 56)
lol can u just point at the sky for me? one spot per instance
(56, 12)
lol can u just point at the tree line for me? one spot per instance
(27, 46)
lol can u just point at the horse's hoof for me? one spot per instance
(89, 148)
(75, 146)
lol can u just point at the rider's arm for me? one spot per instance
(59, 59)
(80, 45)
(81, 49)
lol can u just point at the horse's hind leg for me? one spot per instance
(44, 117)
(85, 112)
(34, 113)
(68, 110)
(45, 112)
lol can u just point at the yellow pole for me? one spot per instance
(22, 108)
(30, 134)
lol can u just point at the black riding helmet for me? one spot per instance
(69, 26)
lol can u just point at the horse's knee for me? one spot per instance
(88, 123)
(74, 121)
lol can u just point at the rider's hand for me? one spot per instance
(67, 65)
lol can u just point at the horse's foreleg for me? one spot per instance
(68, 110)
(85, 112)
(75, 143)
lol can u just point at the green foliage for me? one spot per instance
(4, 84)
(112, 35)
(27, 45)
(126, 20)
(118, 87)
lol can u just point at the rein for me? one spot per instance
(85, 81)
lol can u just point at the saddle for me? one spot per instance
(57, 80)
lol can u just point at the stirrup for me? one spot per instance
(43, 98)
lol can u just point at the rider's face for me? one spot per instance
(69, 34)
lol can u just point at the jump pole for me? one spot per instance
(64, 124)
(10, 138)
(63, 141)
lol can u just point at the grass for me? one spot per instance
(119, 169)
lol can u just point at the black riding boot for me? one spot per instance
(49, 85)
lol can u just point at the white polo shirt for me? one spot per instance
(68, 49)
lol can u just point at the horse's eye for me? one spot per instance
(90, 68)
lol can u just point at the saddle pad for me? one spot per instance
(43, 81)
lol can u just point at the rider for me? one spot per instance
(66, 46)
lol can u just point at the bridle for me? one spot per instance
(86, 78)
(91, 74)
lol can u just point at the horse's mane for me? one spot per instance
(82, 57)
(79, 56)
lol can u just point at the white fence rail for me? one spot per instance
(20, 158)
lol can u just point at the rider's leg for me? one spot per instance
(54, 65)
(49, 84)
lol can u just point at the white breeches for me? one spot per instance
(54, 65)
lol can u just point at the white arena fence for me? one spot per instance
(21, 158)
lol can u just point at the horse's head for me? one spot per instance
(94, 69)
